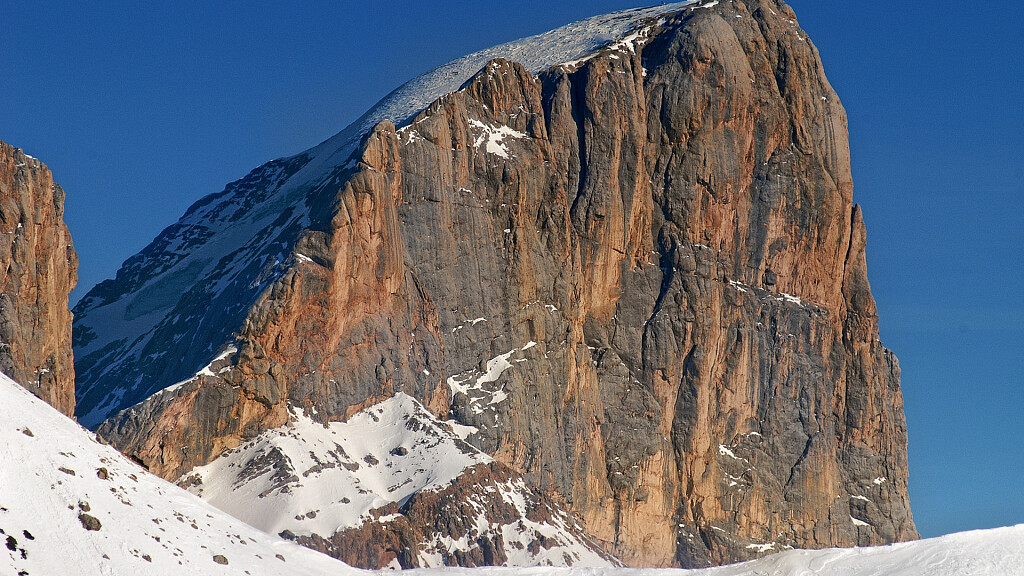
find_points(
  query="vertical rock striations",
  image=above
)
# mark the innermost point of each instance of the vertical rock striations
(639, 276)
(38, 268)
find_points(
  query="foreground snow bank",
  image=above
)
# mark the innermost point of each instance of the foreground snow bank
(997, 552)
(69, 505)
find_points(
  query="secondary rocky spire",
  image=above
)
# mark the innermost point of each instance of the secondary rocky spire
(38, 269)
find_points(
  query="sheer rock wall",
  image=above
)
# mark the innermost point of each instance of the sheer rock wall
(38, 268)
(641, 277)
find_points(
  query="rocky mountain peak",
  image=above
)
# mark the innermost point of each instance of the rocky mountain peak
(623, 256)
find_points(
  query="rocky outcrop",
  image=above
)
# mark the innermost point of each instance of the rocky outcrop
(488, 516)
(392, 487)
(639, 275)
(38, 268)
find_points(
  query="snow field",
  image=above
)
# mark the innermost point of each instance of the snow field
(69, 505)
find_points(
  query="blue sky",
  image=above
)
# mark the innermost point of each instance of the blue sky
(142, 108)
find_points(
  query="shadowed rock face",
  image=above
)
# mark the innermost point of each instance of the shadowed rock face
(38, 268)
(640, 276)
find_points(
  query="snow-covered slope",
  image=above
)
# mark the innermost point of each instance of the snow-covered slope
(69, 505)
(392, 466)
(176, 303)
(309, 478)
(998, 552)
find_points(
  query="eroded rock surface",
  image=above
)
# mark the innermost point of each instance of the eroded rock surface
(392, 487)
(38, 268)
(640, 276)
(489, 516)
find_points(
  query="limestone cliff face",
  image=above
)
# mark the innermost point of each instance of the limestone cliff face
(640, 276)
(38, 268)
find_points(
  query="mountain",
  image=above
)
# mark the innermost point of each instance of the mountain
(622, 258)
(39, 269)
(173, 306)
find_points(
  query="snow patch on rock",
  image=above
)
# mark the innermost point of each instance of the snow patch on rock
(492, 138)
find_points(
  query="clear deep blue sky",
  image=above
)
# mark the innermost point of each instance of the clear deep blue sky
(142, 108)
